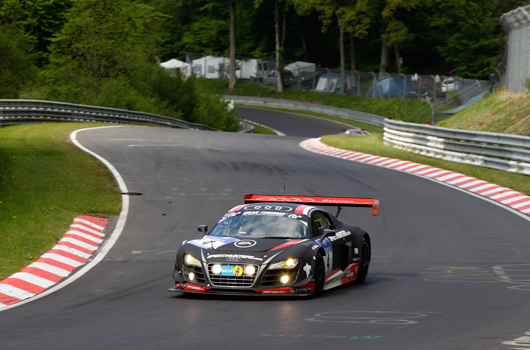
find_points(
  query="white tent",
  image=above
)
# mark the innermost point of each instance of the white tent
(177, 66)
(211, 67)
(299, 67)
(254, 69)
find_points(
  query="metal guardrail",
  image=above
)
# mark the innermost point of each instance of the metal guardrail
(14, 112)
(498, 151)
(367, 118)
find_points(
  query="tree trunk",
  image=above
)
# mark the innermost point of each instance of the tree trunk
(398, 59)
(232, 82)
(279, 44)
(384, 57)
(353, 64)
(342, 61)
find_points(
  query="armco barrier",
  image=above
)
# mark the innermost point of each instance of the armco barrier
(367, 118)
(498, 151)
(13, 112)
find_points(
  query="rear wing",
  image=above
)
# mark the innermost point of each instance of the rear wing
(317, 201)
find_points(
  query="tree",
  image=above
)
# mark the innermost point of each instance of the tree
(232, 5)
(103, 39)
(16, 64)
(347, 13)
(473, 48)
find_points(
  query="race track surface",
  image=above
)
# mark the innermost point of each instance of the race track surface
(449, 270)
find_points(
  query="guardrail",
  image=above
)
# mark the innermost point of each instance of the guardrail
(13, 112)
(498, 151)
(367, 118)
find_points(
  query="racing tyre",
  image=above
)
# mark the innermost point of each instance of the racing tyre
(320, 276)
(365, 261)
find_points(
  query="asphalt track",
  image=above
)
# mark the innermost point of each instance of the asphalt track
(449, 270)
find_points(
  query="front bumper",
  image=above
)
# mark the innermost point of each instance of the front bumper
(265, 282)
(303, 290)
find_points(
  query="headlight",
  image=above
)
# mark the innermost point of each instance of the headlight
(217, 269)
(285, 264)
(191, 261)
(250, 270)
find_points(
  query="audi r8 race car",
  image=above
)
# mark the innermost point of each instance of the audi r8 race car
(276, 245)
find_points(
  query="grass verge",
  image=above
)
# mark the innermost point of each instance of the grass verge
(373, 144)
(46, 181)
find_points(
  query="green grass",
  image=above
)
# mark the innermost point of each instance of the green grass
(46, 181)
(373, 144)
(500, 112)
(409, 111)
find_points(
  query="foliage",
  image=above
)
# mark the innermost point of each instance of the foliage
(79, 51)
(16, 65)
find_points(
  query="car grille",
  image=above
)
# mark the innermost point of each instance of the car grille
(232, 281)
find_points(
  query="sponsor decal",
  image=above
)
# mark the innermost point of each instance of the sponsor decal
(245, 243)
(276, 291)
(302, 290)
(233, 257)
(326, 244)
(339, 235)
(196, 288)
(307, 269)
(268, 207)
(350, 274)
(210, 242)
(237, 271)
(263, 213)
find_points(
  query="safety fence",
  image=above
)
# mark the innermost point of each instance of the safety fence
(445, 92)
(492, 150)
(13, 112)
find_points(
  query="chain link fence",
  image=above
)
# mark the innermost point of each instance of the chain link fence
(444, 92)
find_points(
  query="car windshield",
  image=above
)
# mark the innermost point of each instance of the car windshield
(261, 226)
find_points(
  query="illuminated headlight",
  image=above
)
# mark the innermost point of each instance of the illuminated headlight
(217, 269)
(250, 270)
(284, 279)
(191, 276)
(191, 261)
(285, 264)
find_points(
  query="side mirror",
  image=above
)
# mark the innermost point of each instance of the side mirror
(327, 233)
(203, 229)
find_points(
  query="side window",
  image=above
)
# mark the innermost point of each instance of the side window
(319, 222)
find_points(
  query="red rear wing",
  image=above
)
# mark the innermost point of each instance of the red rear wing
(317, 201)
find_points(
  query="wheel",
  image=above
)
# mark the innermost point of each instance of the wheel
(365, 261)
(320, 275)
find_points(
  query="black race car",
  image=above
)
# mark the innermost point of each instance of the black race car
(276, 245)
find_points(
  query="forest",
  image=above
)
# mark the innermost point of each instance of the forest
(107, 52)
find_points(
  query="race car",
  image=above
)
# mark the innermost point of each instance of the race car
(276, 245)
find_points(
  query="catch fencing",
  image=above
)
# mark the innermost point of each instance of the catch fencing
(516, 63)
(445, 92)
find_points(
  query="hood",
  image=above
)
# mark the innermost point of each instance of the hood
(242, 246)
